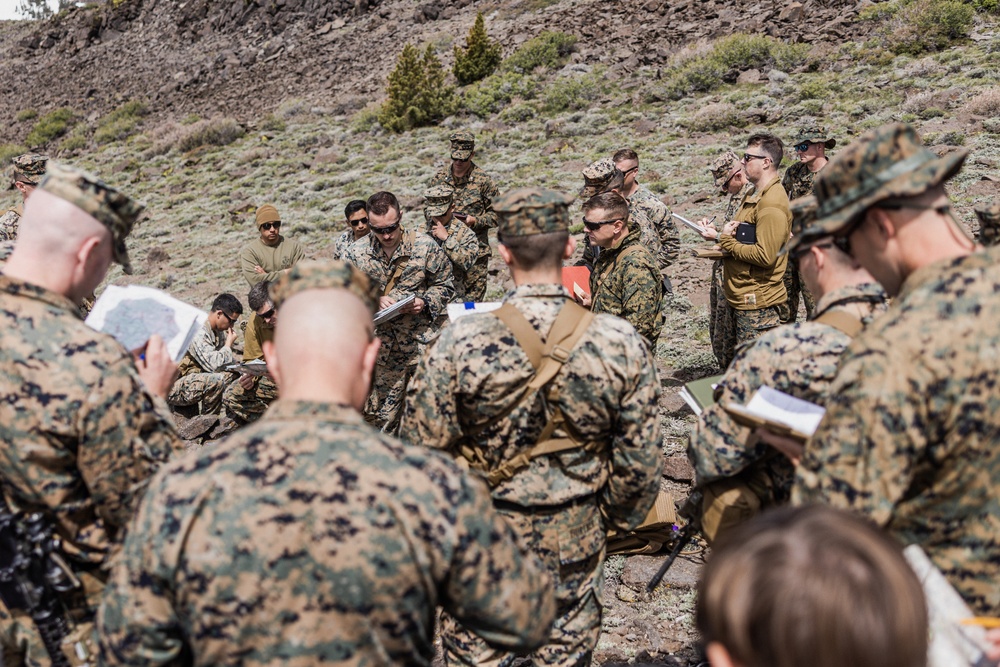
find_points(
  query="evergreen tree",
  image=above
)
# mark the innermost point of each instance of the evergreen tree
(479, 58)
(417, 94)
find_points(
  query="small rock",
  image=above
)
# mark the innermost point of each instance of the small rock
(638, 570)
(197, 426)
(678, 468)
(749, 76)
(626, 594)
(793, 12)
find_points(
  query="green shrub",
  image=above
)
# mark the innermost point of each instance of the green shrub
(728, 57)
(549, 49)
(121, 123)
(76, 139)
(272, 123)
(713, 117)
(51, 126)
(518, 113)
(365, 119)
(918, 26)
(480, 56)
(417, 94)
(575, 92)
(26, 114)
(8, 152)
(487, 97)
(986, 103)
(211, 132)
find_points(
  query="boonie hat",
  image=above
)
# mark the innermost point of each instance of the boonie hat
(815, 135)
(30, 167)
(723, 166)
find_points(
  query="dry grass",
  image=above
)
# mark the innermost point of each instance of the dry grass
(986, 103)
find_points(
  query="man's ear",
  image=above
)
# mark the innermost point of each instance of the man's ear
(570, 248)
(273, 363)
(883, 223)
(505, 254)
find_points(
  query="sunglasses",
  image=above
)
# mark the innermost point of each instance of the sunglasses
(803, 147)
(747, 157)
(232, 320)
(801, 252)
(384, 231)
(594, 226)
(269, 314)
(626, 172)
(729, 180)
(268, 226)
(359, 221)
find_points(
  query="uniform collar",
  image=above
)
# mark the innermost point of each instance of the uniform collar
(931, 272)
(538, 290)
(866, 292)
(20, 288)
(282, 410)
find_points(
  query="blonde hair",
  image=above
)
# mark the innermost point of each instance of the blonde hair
(812, 586)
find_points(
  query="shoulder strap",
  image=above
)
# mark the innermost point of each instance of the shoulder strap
(410, 238)
(843, 321)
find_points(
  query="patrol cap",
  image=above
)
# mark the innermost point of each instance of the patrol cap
(528, 211)
(267, 213)
(887, 162)
(30, 167)
(462, 145)
(815, 135)
(597, 175)
(723, 167)
(331, 274)
(989, 224)
(804, 230)
(107, 205)
(438, 199)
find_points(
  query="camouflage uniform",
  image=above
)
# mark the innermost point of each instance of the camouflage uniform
(467, 393)
(246, 405)
(27, 168)
(625, 282)
(427, 274)
(472, 195)
(79, 433)
(799, 359)
(8, 224)
(200, 379)
(343, 242)
(603, 176)
(461, 246)
(913, 419)
(649, 213)
(309, 538)
(989, 224)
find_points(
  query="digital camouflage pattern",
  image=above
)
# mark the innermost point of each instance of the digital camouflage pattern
(79, 437)
(815, 135)
(626, 283)
(247, 405)
(749, 324)
(338, 274)
(722, 316)
(200, 389)
(989, 224)
(344, 241)
(909, 437)
(474, 195)
(199, 378)
(723, 168)
(529, 211)
(462, 145)
(462, 249)
(659, 233)
(562, 503)
(889, 161)
(9, 221)
(308, 537)
(29, 168)
(798, 182)
(115, 210)
(597, 176)
(798, 359)
(427, 274)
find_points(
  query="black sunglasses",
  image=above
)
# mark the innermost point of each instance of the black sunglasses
(594, 226)
(267, 226)
(266, 315)
(232, 320)
(804, 146)
(359, 221)
(747, 157)
(384, 231)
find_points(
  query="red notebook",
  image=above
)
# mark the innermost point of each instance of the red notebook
(576, 279)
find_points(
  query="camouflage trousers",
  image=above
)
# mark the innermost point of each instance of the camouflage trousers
(789, 311)
(743, 327)
(721, 319)
(247, 405)
(393, 370)
(579, 580)
(475, 279)
(206, 388)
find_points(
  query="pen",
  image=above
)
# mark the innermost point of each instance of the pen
(982, 621)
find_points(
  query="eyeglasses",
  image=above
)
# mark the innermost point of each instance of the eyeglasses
(268, 315)
(803, 251)
(747, 157)
(594, 226)
(803, 147)
(267, 226)
(359, 221)
(232, 320)
(725, 185)
(626, 172)
(384, 231)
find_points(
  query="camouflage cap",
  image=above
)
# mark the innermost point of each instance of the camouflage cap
(597, 176)
(887, 162)
(30, 167)
(989, 224)
(332, 274)
(815, 135)
(528, 211)
(722, 168)
(107, 205)
(438, 199)
(804, 229)
(267, 213)
(462, 145)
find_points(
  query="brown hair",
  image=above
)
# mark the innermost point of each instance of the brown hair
(812, 586)
(625, 154)
(380, 203)
(610, 202)
(770, 144)
(537, 250)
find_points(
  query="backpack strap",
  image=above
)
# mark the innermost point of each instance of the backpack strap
(400, 265)
(846, 323)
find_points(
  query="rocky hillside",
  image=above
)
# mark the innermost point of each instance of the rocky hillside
(242, 59)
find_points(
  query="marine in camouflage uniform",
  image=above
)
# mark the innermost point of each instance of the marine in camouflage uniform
(245, 404)
(989, 224)
(416, 266)
(912, 424)
(459, 242)
(625, 281)
(80, 433)
(799, 359)
(473, 195)
(599, 177)
(467, 399)
(810, 145)
(201, 378)
(308, 537)
(28, 170)
(356, 217)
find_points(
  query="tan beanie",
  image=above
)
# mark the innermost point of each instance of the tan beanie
(267, 213)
